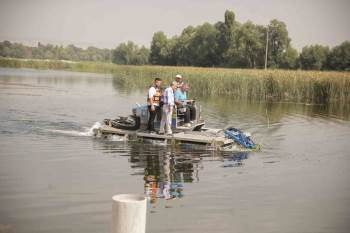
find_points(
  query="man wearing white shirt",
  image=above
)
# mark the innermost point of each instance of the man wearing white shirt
(167, 109)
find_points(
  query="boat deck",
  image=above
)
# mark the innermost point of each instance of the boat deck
(193, 137)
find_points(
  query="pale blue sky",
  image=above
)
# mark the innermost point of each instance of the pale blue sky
(106, 23)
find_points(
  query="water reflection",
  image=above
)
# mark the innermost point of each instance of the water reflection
(163, 179)
(166, 169)
(53, 181)
(235, 159)
(275, 111)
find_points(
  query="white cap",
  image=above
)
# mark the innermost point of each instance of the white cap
(178, 76)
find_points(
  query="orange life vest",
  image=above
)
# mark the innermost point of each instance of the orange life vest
(156, 97)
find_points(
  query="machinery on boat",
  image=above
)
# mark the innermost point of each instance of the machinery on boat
(134, 127)
(139, 119)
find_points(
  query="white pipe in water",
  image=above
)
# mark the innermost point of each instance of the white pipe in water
(129, 213)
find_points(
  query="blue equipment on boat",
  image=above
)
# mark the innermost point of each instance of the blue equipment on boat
(240, 137)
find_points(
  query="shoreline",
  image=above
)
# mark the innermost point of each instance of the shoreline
(316, 87)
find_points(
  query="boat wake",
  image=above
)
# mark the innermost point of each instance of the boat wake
(88, 132)
(115, 138)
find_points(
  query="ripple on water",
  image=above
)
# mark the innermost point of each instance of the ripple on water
(56, 177)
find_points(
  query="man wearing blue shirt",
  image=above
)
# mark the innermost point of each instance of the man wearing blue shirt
(182, 102)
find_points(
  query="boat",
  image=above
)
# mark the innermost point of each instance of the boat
(133, 127)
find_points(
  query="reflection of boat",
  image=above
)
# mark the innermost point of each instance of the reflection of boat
(167, 171)
(133, 127)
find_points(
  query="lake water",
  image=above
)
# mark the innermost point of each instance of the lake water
(56, 177)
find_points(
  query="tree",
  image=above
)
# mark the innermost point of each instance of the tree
(130, 54)
(339, 57)
(313, 57)
(202, 46)
(8, 49)
(226, 43)
(52, 52)
(141, 56)
(278, 42)
(250, 46)
(182, 53)
(123, 53)
(289, 59)
(226, 39)
(229, 28)
(160, 51)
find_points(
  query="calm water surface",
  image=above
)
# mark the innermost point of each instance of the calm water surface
(55, 177)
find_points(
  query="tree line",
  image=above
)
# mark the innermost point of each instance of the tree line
(54, 52)
(227, 43)
(243, 45)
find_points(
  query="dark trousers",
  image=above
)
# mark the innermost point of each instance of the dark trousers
(190, 114)
(152, 116)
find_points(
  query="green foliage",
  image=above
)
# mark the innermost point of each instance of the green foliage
(313, 57)
(182, 53)
(160, 49)
(339, 57)
(70, 52)
(202, 46)
(130, 54)
(7, 49)
(250, 46)
(229, 19)
(228, 29)
(278, 42)
(227, 44)
(289, 59)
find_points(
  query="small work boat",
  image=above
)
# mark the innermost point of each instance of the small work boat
(133, 127)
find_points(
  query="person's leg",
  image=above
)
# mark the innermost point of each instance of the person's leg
(187, 114)
(152, 115)
(193, 112)
(168, 123)
(163, 120)
(159, 113)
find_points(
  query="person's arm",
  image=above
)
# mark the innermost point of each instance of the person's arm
(170, 97)
(165, 96)
(190, 101)
(150, 98)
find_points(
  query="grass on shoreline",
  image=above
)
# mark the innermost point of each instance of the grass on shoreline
(319, 87)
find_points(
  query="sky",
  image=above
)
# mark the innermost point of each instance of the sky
(106, 23)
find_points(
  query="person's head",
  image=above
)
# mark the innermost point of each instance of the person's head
(178, 78)
(157, 82)
(173, 85)
(184, 87)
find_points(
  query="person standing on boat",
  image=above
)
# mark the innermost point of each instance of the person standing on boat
(153, 101)
(168, 100)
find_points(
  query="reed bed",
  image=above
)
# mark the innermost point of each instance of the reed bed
(316, 87)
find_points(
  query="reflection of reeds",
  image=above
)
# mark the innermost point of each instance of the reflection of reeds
(296, 86)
